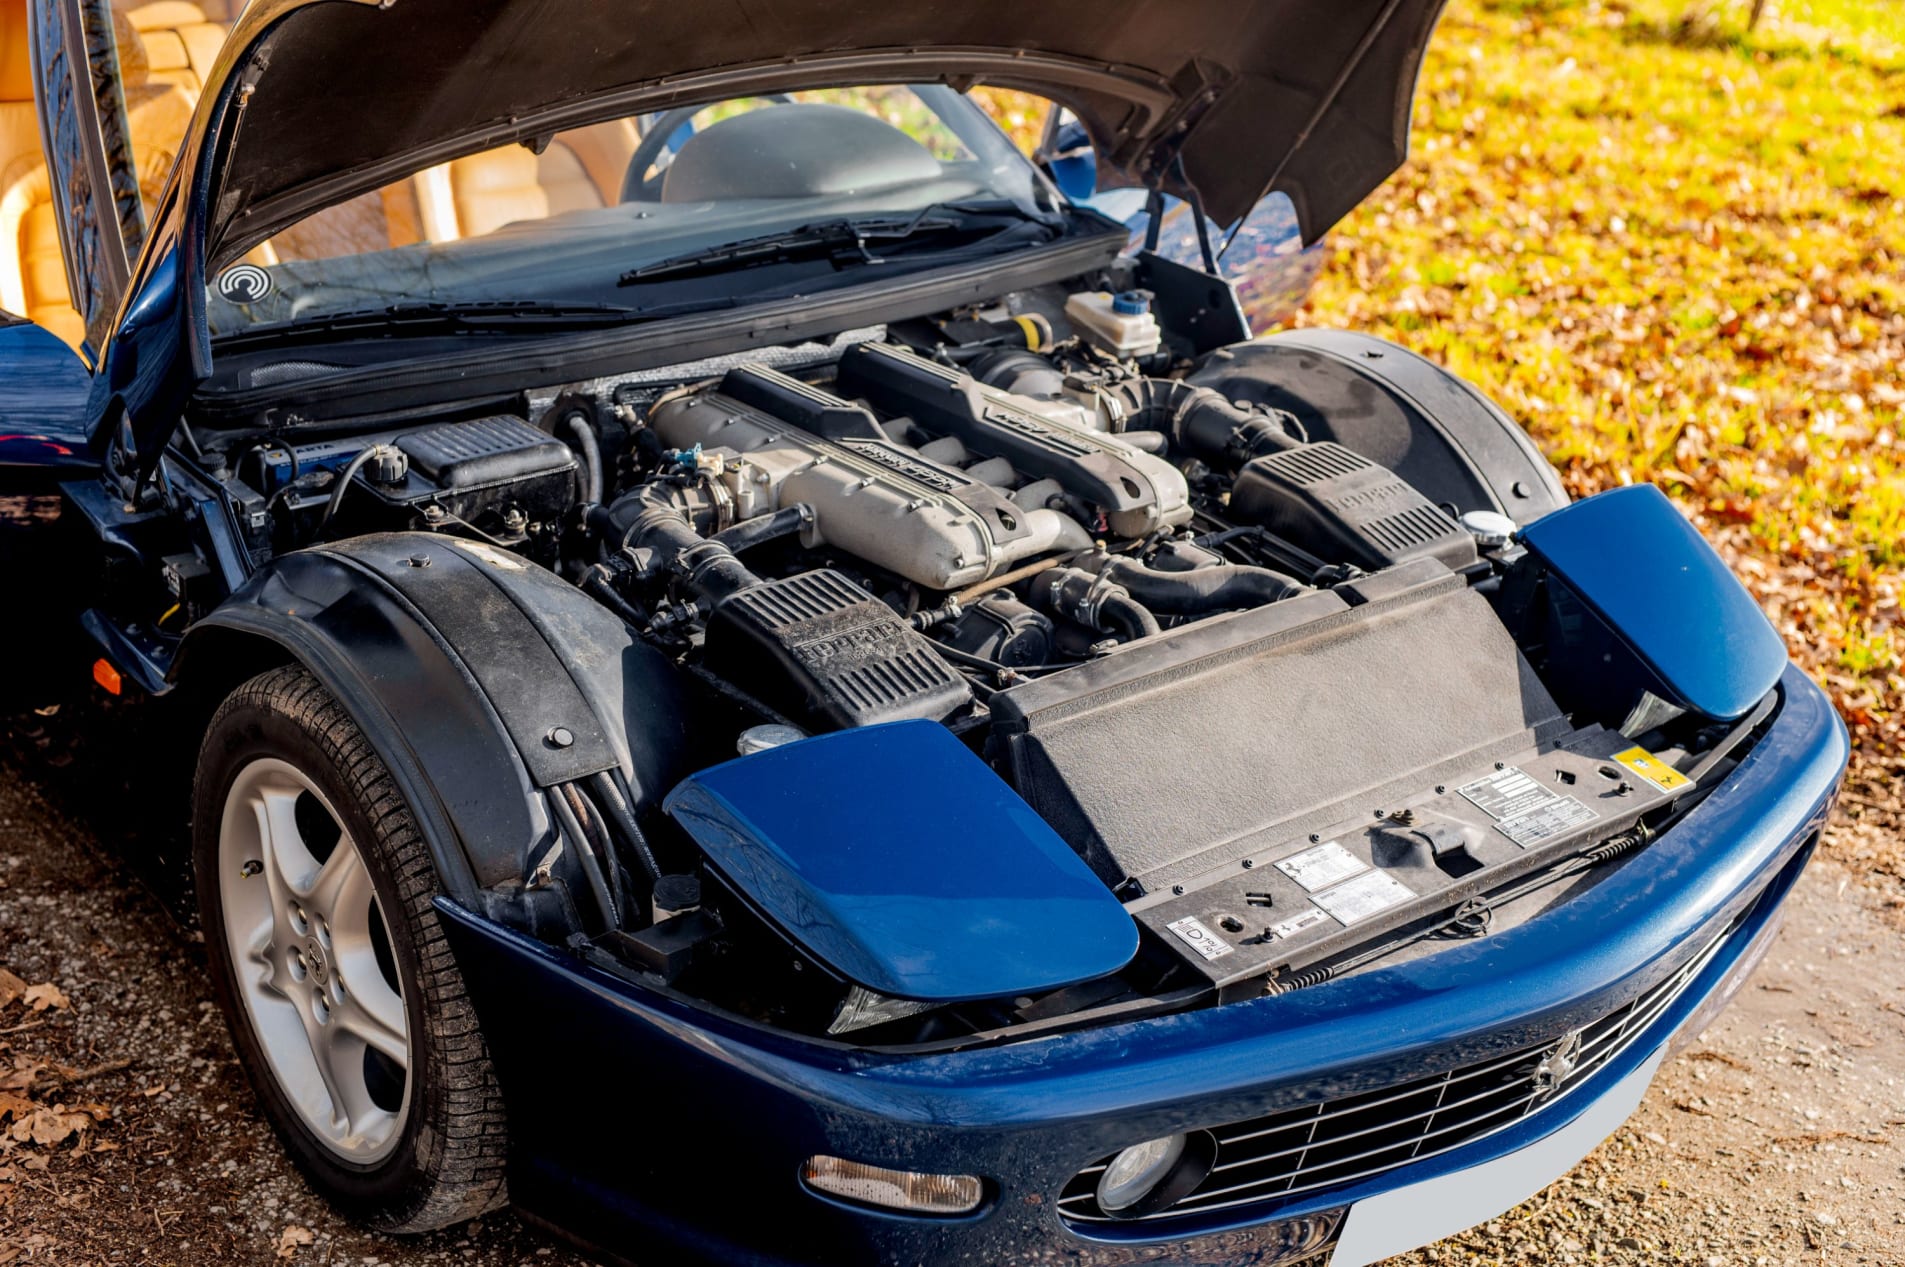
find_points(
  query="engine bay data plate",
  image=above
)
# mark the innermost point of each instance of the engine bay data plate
(1524, 810)
(1370, 893)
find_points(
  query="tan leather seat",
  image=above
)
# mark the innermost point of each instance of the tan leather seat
(32, 269)
(580, 170)
(165, 50)
(181, 40)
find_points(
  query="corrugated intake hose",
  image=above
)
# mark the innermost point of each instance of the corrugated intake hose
(1201, 421)
(1226, 587)
(651, 519)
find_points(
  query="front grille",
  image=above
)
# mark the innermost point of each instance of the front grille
(1334, 1143)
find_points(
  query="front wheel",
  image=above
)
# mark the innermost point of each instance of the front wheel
(345, 1005)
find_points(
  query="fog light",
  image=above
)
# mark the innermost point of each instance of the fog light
(906, 1190)
(1147, 1177)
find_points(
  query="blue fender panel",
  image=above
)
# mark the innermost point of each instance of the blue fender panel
(905, 864)
(1641, 573)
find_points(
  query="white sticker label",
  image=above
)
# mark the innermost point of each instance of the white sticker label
(1322, 866)
(1508, 793)
(1524, 810)
(1368, 894)
(1199, 938)
(1294, 925)
(1551, 819)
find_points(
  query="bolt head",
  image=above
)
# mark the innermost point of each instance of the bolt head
(560, 737)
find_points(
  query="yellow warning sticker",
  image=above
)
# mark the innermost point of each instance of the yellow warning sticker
(1653, 769)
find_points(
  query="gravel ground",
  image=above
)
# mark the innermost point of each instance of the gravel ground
(134, 1139)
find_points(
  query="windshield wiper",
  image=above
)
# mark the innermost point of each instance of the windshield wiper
(847, 243)
(440, 316)
(844, 242)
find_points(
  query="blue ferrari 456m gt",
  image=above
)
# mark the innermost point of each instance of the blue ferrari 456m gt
(753, 679)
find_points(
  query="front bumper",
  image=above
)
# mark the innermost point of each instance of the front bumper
(657, 1132)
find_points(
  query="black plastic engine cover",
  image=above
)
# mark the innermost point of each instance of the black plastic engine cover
(1215, 741)
(827, 653)
(1336, 503)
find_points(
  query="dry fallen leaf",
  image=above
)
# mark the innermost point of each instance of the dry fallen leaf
(21, 1076)
(11, 987)
(45, 995)
(15, 1105)
(51, 1126)
(291, 1238)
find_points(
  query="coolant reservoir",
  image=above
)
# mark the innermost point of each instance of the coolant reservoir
(1120, 323)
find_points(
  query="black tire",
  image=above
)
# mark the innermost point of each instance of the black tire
(447, 1163)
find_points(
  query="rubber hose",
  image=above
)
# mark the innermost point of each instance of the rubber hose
(343, 486)
(1093, 601)
(591, 456)
(1127, 617)
(764, 528)
(1225, 587)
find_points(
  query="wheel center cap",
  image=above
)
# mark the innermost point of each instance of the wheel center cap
(314, 957)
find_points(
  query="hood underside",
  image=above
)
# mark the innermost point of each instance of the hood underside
(1230, 99)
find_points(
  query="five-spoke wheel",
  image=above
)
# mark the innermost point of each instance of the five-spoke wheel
(315, 967)
(316, 891)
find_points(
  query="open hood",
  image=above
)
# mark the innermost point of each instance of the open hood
(1231, 98)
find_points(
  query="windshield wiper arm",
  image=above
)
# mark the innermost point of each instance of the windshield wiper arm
(845, 242)
(424, 316)
(478, 312)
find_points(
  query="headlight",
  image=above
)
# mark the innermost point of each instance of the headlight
(1150, 1176)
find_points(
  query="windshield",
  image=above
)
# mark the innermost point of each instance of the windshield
(656, 214)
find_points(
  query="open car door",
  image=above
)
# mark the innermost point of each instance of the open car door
(91, 184)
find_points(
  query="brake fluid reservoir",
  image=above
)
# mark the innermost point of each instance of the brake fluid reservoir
(1120, 323)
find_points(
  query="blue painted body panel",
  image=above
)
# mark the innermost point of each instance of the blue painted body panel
(1654, 582)
(718, 1110)
(905, 864)
(43, 392)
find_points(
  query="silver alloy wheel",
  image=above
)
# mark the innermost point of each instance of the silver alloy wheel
(303, 928)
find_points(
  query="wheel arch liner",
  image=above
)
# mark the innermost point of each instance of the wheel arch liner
(463, 663)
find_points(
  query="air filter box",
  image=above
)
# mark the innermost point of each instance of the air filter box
(1337, 504)
(476, 468)
(827, 653)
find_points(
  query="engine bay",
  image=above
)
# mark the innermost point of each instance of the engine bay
(1287, 685)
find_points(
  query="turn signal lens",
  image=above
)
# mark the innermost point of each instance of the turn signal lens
(108, 677)
(906, 1190)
